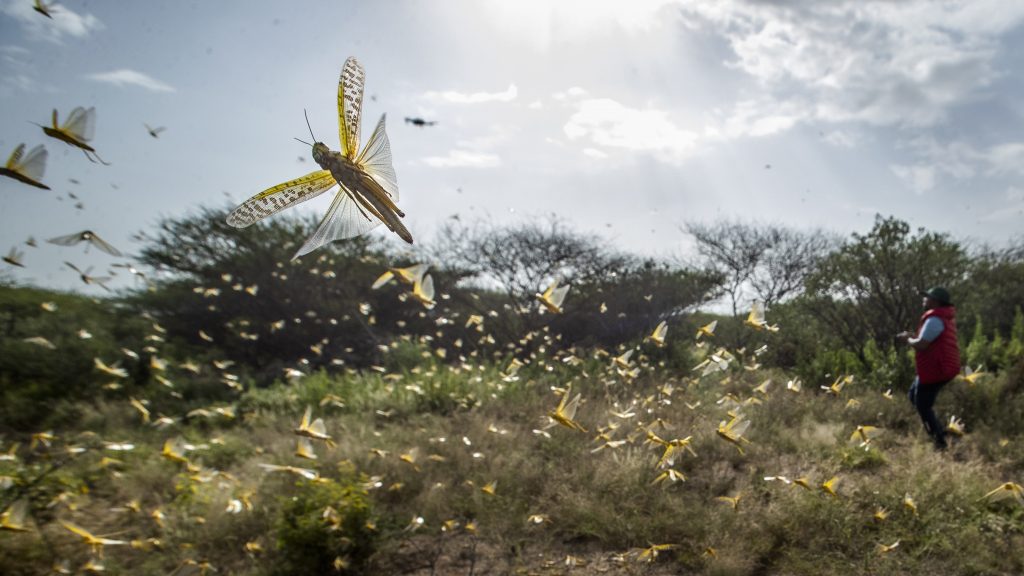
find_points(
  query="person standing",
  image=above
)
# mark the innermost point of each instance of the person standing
(936, 358)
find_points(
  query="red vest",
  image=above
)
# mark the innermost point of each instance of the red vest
(941, 360)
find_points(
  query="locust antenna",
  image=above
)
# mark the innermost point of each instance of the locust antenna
(304, 142)
(308, 126)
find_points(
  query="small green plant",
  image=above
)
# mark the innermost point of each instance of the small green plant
(325, 525)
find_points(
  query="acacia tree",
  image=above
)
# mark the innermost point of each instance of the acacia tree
(869, 287)
(770, 261)
(519, 258)
(516, 260)
(257, 305)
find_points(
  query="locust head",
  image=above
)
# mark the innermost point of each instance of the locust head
(320, 153)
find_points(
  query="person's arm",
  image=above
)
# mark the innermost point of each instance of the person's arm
(930, 330)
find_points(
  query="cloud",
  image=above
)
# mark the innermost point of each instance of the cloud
(453, 97)
(840, 138)
(607, 123)
(756, 118)
(884, 63)
(572, 93)
(541, 24)
(1013, 210)
(65, 21)
(1006, 158)
(920, 178)
(937, 162)
(126, 77)
(463, 159)
(957, 161)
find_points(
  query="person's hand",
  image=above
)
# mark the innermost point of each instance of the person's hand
(904, 335)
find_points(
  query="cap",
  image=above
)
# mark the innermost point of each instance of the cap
(939, 294)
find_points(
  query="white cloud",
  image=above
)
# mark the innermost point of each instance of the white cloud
(64, 22)
(473, 98)
(1007, 158)
(902, 63)
(938, 162)
(957, 161)
(607, 123)
(840, 138)
(756, 118)
(572, 93)
(542, 23)
(595, 153)
(920, 178)
(1013, 210)
(463, 159)
(126, 77)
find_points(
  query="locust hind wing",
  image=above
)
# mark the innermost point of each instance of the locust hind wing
(756, 315)
(350, 106)
(415, 273)
(344, 219)
(104, 245)
(558, 296)
(69, 240)
(318, 427)
(81, 123)
(34, 164)
(376, 160)
(273, 200)
(738, 429)
(427, 287)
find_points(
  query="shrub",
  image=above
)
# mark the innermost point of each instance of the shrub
(309, 543)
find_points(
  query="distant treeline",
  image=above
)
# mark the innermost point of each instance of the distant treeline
(228, 294)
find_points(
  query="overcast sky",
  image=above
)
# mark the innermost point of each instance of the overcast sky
(626, 119)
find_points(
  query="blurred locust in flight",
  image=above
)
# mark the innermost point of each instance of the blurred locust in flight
(77, 131)
(369, 187)
(27, 168)
(43, 9)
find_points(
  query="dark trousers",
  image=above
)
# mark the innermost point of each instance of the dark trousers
(922, 396)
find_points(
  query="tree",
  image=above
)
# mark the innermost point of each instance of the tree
(518, 259)
(869, 287)
(259, 307)
(992, 287)
(770, 261)
(1015, 347)
(977, 352)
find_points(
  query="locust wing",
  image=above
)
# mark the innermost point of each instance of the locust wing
(375, 159)
(27, 168)
(103, 245)
(69, 240)
(81, 124)
(344, 219)
(350, 106)
(273, 200)
(33, 165)
(12, 162)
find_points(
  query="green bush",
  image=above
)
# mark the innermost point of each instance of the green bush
(310, 542)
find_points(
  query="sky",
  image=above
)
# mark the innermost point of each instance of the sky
(624, 119)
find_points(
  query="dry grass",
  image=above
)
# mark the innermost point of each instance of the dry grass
(478, 471)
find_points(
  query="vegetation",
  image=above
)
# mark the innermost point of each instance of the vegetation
(178, 451)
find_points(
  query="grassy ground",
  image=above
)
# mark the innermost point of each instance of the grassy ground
(456, 470)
